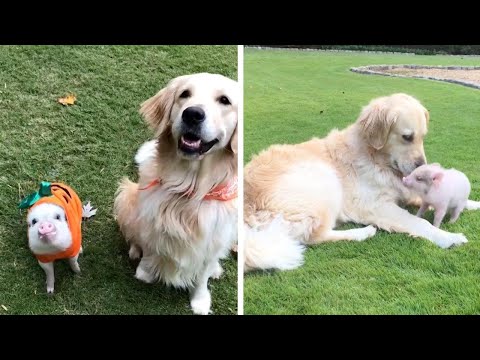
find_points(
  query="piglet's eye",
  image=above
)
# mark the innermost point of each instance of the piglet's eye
(419, 178)
(34, 221)
(58, 217)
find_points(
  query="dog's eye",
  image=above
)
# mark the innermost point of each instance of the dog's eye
(58, 217)
(408, 138)
(224, 100)
(419, 178)
(34, 221)
(185, 94)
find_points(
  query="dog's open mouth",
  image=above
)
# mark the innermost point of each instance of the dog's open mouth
(192, 144)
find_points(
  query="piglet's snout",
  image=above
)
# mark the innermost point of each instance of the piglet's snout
(46, 228)
(406, 181)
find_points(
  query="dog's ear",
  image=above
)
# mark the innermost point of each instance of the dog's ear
(427, 115)
(234, 140)
(156, 110)
(375, 121)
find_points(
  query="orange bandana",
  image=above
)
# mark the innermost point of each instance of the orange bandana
(222, 192)
(68, 200)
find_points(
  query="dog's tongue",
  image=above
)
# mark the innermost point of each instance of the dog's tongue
(193, 144)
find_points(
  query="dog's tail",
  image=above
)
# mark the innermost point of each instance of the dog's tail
(272, 247)
(472, 205)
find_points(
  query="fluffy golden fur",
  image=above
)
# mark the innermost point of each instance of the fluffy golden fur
(297, 194)
(179, 236)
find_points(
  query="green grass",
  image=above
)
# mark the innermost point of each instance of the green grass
(89, 146)
(291, 96)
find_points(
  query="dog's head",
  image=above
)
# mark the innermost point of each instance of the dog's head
(198, 113)
(395, 126)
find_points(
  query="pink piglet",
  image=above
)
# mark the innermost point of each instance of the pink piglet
(446, 190)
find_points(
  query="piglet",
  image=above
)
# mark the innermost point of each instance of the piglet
(49, 236)
(446, 190)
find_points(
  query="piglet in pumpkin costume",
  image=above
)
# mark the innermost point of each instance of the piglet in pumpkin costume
(54, 226)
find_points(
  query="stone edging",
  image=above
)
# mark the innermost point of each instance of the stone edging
(374, 70)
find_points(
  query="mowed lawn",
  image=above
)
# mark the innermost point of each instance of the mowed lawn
(291, 96)
(90, 146)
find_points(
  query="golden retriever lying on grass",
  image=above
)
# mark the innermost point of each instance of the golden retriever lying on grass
(297, 194)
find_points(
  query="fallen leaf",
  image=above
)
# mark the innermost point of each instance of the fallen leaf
(67, 100)
(88, 210)
(4, 307)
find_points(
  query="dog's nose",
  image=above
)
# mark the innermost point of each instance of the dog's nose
(419, 162)
(193, 115)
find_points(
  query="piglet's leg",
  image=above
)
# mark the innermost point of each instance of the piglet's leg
(455, 214)
(440, 212)
(48, 268)
(73, 261)
(422, 210)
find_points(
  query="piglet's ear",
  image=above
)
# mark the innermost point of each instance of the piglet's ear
(437, 178)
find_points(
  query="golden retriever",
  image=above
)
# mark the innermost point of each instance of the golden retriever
(181, 217)
(297, 194)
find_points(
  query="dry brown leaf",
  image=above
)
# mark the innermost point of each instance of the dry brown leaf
(4, 307)
(68, 100)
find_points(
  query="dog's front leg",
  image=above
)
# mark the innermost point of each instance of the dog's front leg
(200, 298)
(144, 272)
(391, 217)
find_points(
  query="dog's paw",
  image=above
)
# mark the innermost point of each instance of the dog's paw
(144, 276)
(201, 304)
(217, 271)
(49, 290)
(451, 239)
(366, 232)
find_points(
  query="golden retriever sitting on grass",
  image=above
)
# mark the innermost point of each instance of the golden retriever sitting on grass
(181, 217)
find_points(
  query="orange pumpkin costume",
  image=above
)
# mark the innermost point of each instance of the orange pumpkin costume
(68, 200)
